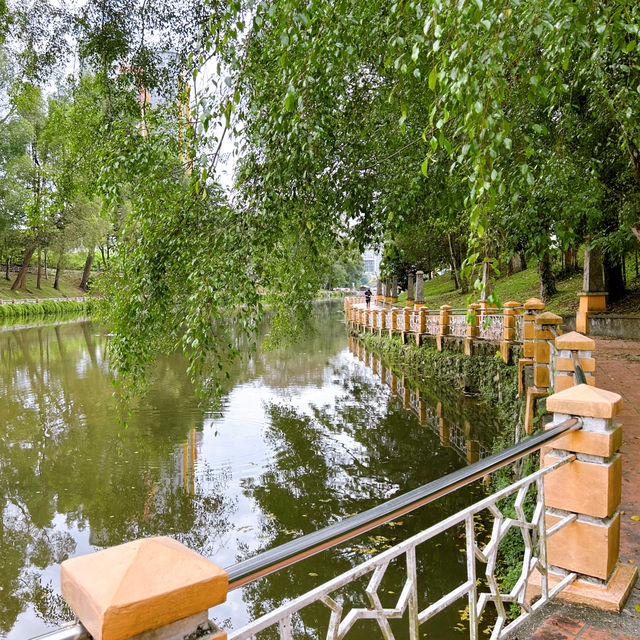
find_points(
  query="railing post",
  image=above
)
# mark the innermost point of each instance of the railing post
(530, 307)
(569, 347)
(445, 317)
(406, 323)
(394, 322)
(544, 350)
(584, 495)
(149, 584)
(422, 323)
(510, 311)
(472, 327)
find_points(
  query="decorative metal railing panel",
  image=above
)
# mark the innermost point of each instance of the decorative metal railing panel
(491, 327)
(458, 325)
(433, 324)
(534, 535)
(519, 328)
(389, 319)
(414, 322)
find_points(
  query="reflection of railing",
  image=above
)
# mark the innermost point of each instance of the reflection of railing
(533, 531)
(491, 327)
(458, 325)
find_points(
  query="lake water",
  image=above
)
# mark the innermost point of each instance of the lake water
(305, 436)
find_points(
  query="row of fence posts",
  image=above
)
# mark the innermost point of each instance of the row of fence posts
(157, 588)
(585, 492)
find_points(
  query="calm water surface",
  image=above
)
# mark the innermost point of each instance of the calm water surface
(305, 436)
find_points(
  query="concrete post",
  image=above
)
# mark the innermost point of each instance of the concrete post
(150, 588)
(394, 289)
(472, 322)
(419, 300)
(410, 290)
(589, 491)
(568, 346)
(510, 312)
(445, 317)
(593, 298)
(422, 323)
(394, 328)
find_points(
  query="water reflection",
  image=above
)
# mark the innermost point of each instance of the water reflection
(305, 435)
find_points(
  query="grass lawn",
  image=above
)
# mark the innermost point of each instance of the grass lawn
(68, 288)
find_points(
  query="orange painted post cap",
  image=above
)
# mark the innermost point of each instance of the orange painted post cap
(120, 592)
(587, 401)
(574, 341)
(534, 303)
(548, 318)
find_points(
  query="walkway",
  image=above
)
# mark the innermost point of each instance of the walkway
(617, 369)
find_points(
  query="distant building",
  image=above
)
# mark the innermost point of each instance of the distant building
(372, 261)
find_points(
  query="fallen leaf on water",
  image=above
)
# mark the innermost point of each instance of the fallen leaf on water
(636, 518)
(638, 608)
(270, 516)
(312, 574)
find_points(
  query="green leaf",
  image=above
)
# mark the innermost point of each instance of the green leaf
(433, 77)
(424, 166)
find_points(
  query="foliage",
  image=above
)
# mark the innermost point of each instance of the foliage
(44, 308)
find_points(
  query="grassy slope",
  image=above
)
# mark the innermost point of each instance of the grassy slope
(67, 289)
(519, 287)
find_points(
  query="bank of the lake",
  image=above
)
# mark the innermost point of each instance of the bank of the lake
(19, 312)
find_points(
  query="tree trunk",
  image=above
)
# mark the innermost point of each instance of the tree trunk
(39, 276)
(7, 269)
(22, 274)
(104, 258)
(547, 279)
(56, 282)
(454, 267)
(87, 270)
(46, 272)
(613, 278)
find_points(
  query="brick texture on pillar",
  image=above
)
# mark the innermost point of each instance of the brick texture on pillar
(147, 584)
(544, 349)
(569, 347)
(587, 490)
(510, 312)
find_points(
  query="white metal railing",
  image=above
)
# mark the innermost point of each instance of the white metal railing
(39, 300)
(458, 325)
(433, 324)
(414, 322)
(534, 534)
(491, 327)
(389, 318)
(519, 328)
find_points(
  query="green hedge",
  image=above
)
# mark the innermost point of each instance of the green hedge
(20, 310)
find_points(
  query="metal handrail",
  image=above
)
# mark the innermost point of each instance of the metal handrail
(291, 552)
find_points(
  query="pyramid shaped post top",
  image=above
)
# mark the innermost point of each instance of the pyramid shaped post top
(548, 318)
(122, 591)
(534, 303)
(511, 304)
(585, 401)
(576, 341)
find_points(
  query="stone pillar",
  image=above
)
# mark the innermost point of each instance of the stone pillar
(445, 317)
(410, 290)
(530, 307)
(568, 346)
(510, 312)
(586, 494)
(154, 587)
(379, 290)
(593, 298)
(394, 289)
(419, 299)
(544, 350)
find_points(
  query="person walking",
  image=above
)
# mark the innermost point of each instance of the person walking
(367, 297)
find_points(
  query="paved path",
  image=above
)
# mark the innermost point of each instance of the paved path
(617, 369)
